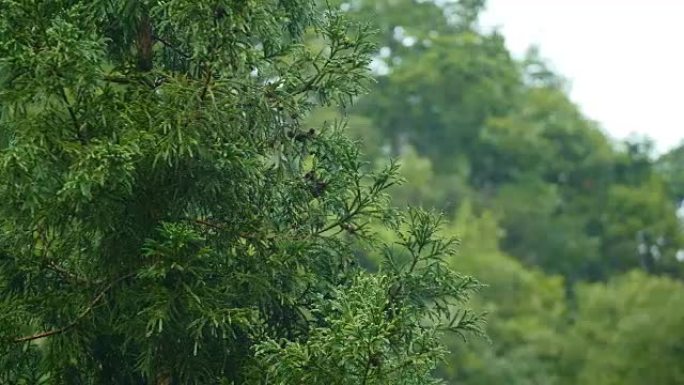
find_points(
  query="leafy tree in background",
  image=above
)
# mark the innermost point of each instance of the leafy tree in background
(165, 218)
(551, 212)
(627, 331)
(526, 311)
(439, 99)
(671, 165)
(504, 134)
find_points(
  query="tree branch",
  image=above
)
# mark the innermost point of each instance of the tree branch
(66, 273)
(72, 114)
(170, 46)
(82, 315)
(118, 79)
(222, 227)
(205, 88)
(367, 367)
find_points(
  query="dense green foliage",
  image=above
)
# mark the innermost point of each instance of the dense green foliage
(165, 218)
(181, 203)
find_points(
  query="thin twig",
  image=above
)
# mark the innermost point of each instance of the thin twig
(82, 315)
(118, 79)
(171, 46)
(352, 213)
(209, 224)
(205, 88)
(66, 273)
(220, 226)
(367, 367)
(52, 265)
(72, 114)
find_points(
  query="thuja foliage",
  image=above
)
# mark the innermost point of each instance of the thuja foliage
(166, 219)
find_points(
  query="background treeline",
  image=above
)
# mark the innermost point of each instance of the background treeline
(576, 234)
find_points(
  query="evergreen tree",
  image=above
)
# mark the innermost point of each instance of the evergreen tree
(166, 219)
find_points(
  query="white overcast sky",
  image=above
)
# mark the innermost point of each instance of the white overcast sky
(624, 58)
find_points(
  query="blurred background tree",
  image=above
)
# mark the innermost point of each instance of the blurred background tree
(572, 231)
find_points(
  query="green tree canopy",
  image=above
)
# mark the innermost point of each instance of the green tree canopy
(627, 331)
(165, 217)
(672, 166)
(504, 134)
